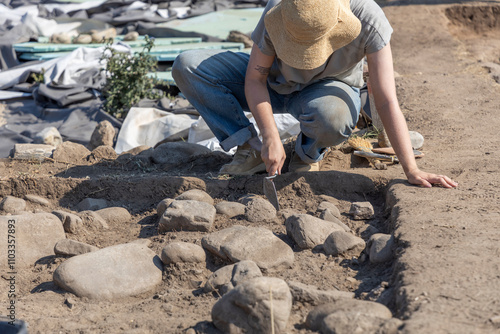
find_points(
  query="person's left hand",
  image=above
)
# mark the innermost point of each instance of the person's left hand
(423, 179)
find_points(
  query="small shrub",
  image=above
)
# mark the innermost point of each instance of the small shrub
(127, 81)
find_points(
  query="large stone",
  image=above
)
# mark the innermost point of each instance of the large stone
(417, 140)
(177, 152)
(32, 152)
(196, 195)
(220, 280)
(70, 152)
(362, 210)
(114, 215)
(68, 247)
(93, 220)
(182, 252)
(227, 277)
(48, 136)
(328, 216)
(163, 205)
(248, 307)
(343, 243)
(14, 205)
(112, 272)
(101, 153)
(332, 208)
(308, 231)
(257, 244)
(187, 215)
(310, 294)
(342, 322)
(35, 235)
(230, 209)
(258, 210)
(71, 222)
(380, 246)
(315, 317)
(104, 134)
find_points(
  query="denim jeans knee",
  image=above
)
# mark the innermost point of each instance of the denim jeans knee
(328, 112)
(213, 82)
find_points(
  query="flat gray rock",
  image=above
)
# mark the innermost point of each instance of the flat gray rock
(238, 243)
(343, 243)
(177, 152)
(182, 252)
(247, 308)
(110, 273)
(196, 195)
(328, 216)
(230, 209)
(380, 246)
(367, 308)
(71, 222)
(68, 247)
(13, 205)
(308, 231)
(115, 215)
(332, 208)
(35, 236)
(258, 210)
(37, 200)
(187, 215)
(92, 204)
(310, 294)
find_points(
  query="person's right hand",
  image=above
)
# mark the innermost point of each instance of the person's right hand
(273, 154)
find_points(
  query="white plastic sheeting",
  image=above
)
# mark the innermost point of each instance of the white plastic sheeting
(148, 126)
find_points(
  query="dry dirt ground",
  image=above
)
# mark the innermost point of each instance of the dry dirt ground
(446, 274)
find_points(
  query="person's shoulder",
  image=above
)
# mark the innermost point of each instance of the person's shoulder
(366, 9)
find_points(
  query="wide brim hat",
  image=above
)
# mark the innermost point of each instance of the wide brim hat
(305, 33)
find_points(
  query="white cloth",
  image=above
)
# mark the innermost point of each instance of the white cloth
(148, 126)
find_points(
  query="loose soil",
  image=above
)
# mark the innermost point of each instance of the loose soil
(446, 265)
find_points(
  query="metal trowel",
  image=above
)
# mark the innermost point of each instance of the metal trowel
(270, 191)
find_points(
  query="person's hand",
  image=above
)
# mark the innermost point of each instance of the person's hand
(426, 180)
(273, 154)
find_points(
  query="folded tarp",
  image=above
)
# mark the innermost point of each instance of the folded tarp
(43, 45)
(160, 52)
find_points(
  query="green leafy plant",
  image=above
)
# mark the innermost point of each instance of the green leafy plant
(38, 77)
(127, 80)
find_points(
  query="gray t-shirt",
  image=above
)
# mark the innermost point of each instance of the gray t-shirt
(345, 64)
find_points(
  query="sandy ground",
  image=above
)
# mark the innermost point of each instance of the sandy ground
(445, 277)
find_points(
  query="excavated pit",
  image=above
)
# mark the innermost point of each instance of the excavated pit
(478, 27)
(139, 187)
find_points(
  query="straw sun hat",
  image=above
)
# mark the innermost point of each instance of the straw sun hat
(306, 32)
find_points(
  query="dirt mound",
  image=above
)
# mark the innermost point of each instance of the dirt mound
(479, 19)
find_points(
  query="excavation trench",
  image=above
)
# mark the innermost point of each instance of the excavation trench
(140, 191)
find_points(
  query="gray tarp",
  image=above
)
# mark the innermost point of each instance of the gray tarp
(70, 100)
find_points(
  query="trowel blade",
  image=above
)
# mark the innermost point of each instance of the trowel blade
(270, 192)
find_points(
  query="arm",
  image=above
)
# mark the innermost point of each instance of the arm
(381, 75)
(272, 153)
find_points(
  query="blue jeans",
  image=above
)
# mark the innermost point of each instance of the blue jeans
(213, 82)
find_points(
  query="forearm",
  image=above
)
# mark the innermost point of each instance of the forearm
(260, 106)
(397, 131)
